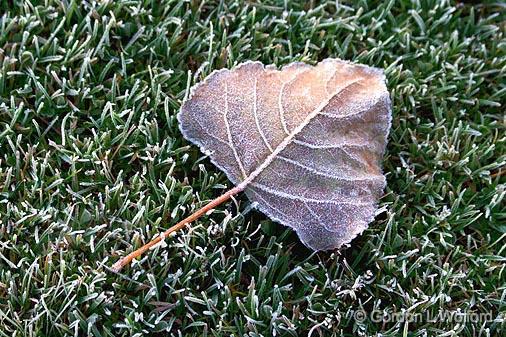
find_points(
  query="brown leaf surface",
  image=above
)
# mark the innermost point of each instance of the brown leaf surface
(305, 143)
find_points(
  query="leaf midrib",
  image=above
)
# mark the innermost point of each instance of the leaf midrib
(288, 139)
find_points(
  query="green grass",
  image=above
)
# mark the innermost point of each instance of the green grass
(92, 165)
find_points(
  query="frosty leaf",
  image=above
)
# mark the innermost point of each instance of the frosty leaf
(305, 143)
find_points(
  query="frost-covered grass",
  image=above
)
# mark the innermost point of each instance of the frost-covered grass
(92, 165)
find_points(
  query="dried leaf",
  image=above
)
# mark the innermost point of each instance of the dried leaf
(304, 143)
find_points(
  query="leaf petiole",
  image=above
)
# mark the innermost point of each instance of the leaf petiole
(194, 216)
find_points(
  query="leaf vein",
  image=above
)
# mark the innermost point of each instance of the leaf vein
(281, 109)
(281, 194)
(329, 146)
(255, 114)
(325, 174)
(229, 134)
(288, 139)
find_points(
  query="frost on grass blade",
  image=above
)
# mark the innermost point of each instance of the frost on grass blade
(305, 143)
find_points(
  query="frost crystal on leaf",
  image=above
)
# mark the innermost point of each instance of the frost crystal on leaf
(304, 143)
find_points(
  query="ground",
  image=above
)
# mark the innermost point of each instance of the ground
(92, 166)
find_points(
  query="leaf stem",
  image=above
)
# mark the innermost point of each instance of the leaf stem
(194, 216)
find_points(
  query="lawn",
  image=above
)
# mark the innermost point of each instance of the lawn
(92, 166)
